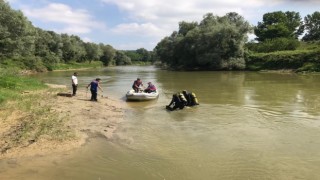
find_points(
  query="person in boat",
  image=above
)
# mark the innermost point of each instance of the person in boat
(94, 85)
(136, 85)
(151, 88)
(178, 101)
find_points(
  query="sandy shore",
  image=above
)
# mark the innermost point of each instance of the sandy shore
(86, 118)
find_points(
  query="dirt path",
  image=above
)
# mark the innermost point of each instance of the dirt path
(86, 118)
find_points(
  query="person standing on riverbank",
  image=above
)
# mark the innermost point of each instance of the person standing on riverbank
(94, 85)
(74, 80)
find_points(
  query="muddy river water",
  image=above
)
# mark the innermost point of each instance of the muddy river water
(249, 125)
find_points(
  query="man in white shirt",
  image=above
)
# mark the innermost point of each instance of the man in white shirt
(74, 83)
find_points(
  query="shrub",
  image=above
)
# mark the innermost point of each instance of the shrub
(272, 45)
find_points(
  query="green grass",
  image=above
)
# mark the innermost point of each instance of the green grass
(305, 58)
(308, 45)
(13, 85)
(74, 65)
(33, 102)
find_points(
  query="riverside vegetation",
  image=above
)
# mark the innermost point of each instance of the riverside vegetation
(221, 43)
(26, 113)
(283, 41)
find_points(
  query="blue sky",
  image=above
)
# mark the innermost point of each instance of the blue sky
(133, 24)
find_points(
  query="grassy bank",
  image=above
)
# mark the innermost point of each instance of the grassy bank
(306, 58)
(26, 113)
(74, 65)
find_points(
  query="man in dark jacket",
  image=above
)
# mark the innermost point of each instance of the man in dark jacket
(94, 85)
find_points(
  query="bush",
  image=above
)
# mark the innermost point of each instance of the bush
(33, 63)
(272, 45)
(284, 60)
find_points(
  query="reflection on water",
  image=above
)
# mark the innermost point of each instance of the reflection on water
(249, 125)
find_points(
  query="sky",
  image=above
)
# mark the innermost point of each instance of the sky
(134, 24)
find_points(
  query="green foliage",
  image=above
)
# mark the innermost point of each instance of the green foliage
(312, 25)
(298, 59)
(17, 35)
(140, 54)
(11, 84)
(108, 54)
(73, 48)
(75, 65)
(215, 43)
(93, 51)
(309, 45)
(271, 45)
(28, 47)
(122, 59)
(34, 63)
(27, 62)
(279, 25)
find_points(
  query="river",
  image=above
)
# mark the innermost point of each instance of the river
(249, 125)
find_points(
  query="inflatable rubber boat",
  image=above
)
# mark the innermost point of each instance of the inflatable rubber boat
(141, 96)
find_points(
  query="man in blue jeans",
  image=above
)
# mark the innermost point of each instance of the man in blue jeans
(94, 85)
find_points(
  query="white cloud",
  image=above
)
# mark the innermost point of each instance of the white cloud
(136, 45)
(154, 10)
(144, 29)
(73, 20)
(161, 18)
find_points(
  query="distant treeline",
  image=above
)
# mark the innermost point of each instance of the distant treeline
(25, 46)
(283, 41)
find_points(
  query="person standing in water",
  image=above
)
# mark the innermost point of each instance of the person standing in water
(74, 80)
(94, 85)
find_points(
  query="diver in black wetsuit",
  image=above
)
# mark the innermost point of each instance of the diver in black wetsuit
(178, 101)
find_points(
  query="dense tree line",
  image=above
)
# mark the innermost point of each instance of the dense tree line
(280, 31)
(26, 46)
(221, 42)
(214, 43)
(140, 55)
(286, 41)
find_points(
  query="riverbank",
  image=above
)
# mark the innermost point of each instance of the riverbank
(59, 123)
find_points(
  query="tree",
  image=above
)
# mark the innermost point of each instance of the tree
(43, 50)
(279, 25)
(122, 59)
(93, 51)
(23, 45)
(215, 43)
(73, 48)
(144, 54)
(312, 25)
(108, 54)
(185, 27)
(17, 34)
(165, 50)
